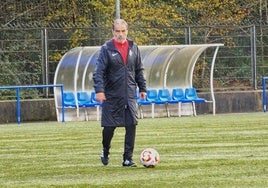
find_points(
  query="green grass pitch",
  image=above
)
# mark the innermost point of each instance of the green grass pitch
(226, 150)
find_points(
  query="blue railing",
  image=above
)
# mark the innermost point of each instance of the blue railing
(17, 88)
(264, 102)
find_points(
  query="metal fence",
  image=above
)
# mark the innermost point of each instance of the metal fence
(29, 55)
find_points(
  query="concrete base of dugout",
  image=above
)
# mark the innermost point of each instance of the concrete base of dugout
(44, 110)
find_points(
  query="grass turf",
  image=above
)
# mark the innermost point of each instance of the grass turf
(205, 151)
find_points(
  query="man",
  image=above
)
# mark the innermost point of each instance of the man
(119, 71)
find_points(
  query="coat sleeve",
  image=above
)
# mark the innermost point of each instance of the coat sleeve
(139, 73)
(98, 76)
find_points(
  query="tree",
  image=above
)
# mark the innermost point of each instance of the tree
(88, 23)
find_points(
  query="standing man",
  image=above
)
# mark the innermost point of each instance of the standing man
(119, 71)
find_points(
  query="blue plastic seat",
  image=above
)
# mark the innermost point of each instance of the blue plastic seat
(69, 99)
(84, 100)
(152, 96)
(191, 94)
(164, 95)
(179, 96)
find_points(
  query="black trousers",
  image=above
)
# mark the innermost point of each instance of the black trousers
(130, 134)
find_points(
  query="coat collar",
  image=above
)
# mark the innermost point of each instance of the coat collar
(110, 44)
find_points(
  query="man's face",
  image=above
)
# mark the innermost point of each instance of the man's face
(120, 33)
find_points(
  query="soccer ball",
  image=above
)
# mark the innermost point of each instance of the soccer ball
(149, 158)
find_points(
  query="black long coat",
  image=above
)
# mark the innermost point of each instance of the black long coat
(119, 82)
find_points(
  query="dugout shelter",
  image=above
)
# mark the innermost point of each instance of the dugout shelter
(167, 66)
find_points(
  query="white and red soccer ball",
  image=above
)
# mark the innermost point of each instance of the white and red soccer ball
(149, 158)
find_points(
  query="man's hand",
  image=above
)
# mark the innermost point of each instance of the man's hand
(100, 97)
(143, 95)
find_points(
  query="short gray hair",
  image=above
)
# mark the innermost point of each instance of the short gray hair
(120, 22)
